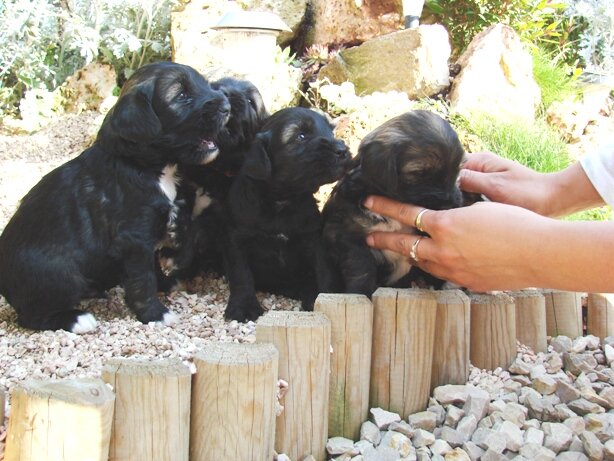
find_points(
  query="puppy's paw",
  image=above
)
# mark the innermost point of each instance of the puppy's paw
(243, 310)
(84, 324)
(157, 313)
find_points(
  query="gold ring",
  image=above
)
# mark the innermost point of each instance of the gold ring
(418, 222)
(414, 248)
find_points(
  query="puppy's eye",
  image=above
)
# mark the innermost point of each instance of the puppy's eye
(183, 97)
(301, 137)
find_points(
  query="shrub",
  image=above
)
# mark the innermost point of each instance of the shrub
(43, 42)
(553, 79)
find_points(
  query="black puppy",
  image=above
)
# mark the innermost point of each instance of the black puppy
(413, 158)
(95, 221)
(204, 188)
(273, 239)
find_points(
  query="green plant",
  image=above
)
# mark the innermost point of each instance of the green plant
(553, 80)
(43, 42)
(534, 145)
(538, 22)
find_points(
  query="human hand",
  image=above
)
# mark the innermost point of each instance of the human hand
(485, 246)
(505, 181)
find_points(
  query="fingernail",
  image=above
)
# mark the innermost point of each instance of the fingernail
(368, 203)
(370, 240)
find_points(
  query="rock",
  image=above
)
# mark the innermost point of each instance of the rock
(453, 416)
(403, 428)
(553, 363)
(398, 441)
(583, 407)
(382, 418)
(370, 432)
(513, 436)
(576, 424)
(566, 392)
(515, 413)
(87, 88)
(339, 445)
(473, 450)
(544, 384)
(454, 437)
(609, 354)
(578, 363)
(571, 456)
(535, 452)
(422, 438)
(413, 61)
(426, 420)
(558, 436)
(520, 367)
(592, 446)
(607, 394)
(292, 13)
(458, 454)
(491, 455)
(602, 425)
(608, 450)
(561, 344)
(341, 22)
(533, 435)
(476, 403)
(441, 447)
(497, 71)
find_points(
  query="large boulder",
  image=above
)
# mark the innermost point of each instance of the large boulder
(292, 13)
(413, 61)
(331, 22)
(496, 77)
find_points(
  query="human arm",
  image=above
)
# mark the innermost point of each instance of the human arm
(494, 246)
(549, 194)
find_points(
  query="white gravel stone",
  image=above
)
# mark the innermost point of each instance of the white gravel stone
(370, 432)
(558, 436)
(426, 420)
(382, 418)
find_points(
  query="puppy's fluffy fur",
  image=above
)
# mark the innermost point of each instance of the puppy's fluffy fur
(95, 221)
(273, 239)
(204, 188)
(413, 158)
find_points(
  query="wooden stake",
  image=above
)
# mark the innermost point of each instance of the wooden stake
(403, 335)
(351, 318)
(493, 330)
(452, 339)
(233, 402)
(303, 342)
(531, 319)
(60, 421)
(600, 314)
(152, 409)
(563, 313)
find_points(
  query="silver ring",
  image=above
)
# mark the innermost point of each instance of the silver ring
(414, 248)
(418, 221)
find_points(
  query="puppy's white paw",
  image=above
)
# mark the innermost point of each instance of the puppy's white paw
(168, 319)
(85, 323)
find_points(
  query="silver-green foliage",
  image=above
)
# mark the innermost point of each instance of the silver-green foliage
(44, 41)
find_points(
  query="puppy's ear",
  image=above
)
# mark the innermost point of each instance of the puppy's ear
(133, 117)
(379, 166)
(257, 163)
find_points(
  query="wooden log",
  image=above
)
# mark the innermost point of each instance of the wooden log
(600, 314)
(351, 318)
(152, 409)
(493, 330)
(452, 339)
(563, 313)
(531, 319)
(234, 394)
(303, 342)
(403, 336)
(2, 405)
(66, 420)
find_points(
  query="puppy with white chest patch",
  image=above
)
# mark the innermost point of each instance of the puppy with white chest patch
(95, 221)
(273, 237)
(413, 158)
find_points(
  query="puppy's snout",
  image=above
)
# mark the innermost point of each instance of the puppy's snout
(341, 150)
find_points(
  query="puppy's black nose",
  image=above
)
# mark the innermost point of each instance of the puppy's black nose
(341, 150)
(224, 107)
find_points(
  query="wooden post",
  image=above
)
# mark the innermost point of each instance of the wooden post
(403, 336)
(600, 314)
(493, 330)
(563, 313)
(2, 405)
(452, 338)
(152, 409)
(303, 342)
(351, 318)
(233, 402)
(531, 319)
(60, 421)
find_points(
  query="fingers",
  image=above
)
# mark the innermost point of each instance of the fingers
(402, 212)
(484, 162)
(473, 181)
(402, 243)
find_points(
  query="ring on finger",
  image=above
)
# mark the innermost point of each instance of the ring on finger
(418, 221)
(414, 249)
